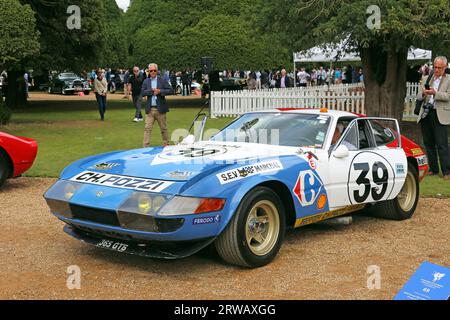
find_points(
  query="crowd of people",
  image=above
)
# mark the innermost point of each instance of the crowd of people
(281, 78)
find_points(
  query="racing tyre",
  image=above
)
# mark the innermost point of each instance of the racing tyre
(4, 168)
(254, 235)
(404, 206)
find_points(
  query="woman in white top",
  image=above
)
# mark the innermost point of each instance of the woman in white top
(101, 89)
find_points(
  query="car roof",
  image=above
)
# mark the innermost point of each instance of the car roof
(333, 113)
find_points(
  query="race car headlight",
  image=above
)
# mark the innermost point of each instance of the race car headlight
(59, 195)
(186, 205)
(143, 203)
(139, 210)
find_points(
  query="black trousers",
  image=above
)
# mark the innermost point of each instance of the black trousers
(101, 100)
(435, 139)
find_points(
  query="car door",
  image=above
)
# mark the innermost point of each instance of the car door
(365, 167)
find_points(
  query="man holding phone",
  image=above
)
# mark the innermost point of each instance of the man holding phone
(156, 90)
(434, 118)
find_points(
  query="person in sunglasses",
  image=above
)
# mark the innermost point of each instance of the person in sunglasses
(156, 90)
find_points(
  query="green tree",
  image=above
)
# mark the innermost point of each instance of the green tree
(69, 49)
(18, 41)
(383, 50)
(115, 51)
(176, 34)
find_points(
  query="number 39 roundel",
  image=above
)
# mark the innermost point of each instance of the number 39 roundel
(371, 178)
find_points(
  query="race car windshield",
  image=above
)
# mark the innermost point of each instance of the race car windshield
(284, 129)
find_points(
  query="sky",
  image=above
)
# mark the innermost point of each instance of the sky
(123, 4)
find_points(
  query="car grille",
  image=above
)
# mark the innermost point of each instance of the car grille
(130, 221)
(95, 215)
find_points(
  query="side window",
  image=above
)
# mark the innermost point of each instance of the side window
(350, 139)
(383, 133)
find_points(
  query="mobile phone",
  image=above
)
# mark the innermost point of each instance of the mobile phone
(427, 87)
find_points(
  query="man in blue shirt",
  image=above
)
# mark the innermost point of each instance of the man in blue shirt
(156, 90)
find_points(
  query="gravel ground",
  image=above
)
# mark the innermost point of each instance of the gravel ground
(316, 262)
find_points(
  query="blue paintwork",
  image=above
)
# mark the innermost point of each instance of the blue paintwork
(203, 182)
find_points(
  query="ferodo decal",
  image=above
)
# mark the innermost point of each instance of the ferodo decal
(250, 170)
(206, 220)
(308, 187)
(371, 178)
(122, 182)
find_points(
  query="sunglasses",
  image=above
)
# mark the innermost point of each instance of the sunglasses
(153, 70)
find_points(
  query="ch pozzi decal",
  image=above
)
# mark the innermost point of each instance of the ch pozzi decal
(123, 182)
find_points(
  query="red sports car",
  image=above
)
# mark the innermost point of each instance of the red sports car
(17, 155)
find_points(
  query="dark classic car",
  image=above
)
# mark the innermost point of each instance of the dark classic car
(65, 83)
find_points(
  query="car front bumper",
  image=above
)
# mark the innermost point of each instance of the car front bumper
(150, 249)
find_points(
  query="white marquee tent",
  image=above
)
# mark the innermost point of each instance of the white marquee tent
(329, 53)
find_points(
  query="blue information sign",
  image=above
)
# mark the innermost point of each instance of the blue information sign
(429, 282)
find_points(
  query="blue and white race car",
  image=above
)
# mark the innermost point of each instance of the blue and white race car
(241, 189)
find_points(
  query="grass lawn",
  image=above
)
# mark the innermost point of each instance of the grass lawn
(69, 130)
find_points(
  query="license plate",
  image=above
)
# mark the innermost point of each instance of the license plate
(112, 245)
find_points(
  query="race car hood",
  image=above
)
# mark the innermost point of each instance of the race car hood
(182, 162)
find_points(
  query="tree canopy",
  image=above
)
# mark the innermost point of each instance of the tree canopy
(18, 34)
(383, 49)
(176, 34)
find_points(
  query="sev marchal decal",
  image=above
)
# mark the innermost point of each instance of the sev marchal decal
(123, 182)
(250, 170)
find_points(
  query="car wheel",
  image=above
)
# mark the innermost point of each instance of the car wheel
(179, 90)
(4, 168)
(255, 234)
(404, 206)
(87, 92)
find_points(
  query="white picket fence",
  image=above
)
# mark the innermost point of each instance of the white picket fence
(337, 97)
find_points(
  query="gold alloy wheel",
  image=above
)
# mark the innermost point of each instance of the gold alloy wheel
(407, 195)
(262, 228)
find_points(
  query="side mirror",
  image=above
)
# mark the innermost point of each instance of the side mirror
(341, 152)
(190, 139)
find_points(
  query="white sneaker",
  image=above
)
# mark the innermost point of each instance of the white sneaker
(141, 119)
(135, 120)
